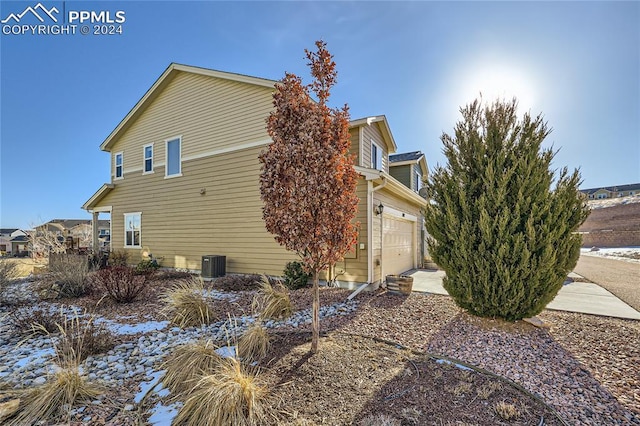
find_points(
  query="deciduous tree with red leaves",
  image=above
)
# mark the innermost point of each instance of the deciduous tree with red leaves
(308, 182)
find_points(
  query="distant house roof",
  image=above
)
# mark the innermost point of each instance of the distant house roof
(406, 156)
(618, 188)
(71, 223)
(4, 231)
(20, 238)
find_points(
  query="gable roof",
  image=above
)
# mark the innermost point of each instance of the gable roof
(8, 230)
(162, 82)
(406, 156)
(384, 127)
(618, 188)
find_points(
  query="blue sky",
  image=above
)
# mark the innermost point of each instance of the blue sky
(578, 63)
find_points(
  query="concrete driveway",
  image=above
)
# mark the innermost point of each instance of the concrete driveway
(587, 298)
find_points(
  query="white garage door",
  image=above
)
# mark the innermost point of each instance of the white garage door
(397, 245)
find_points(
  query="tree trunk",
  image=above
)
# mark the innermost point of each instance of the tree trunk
(315, 314)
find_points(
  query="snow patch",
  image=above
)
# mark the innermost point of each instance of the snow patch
(460, 366)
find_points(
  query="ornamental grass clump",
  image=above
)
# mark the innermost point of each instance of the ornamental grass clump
(272, 301)
(186, 304)
(254, 343)
(52, 401)
(187, 364)
(231, 395)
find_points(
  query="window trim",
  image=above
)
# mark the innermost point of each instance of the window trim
(144, 159)
(124, 243)
(166, 162)
(115, 165)
(379, 151)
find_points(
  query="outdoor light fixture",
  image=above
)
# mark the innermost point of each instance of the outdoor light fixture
(379, 209)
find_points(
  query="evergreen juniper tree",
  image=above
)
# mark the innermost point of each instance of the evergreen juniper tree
(501, 222)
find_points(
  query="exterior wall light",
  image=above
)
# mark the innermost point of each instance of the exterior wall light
(379, 209)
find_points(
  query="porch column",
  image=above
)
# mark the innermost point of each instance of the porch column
(95, 243)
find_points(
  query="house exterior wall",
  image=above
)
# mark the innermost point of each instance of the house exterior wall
(372, 133)
(210, 114)
(403, 174)
(388, 199)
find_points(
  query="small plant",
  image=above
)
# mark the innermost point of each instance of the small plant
(8, 272)
(70, 274)
(272, 301)
(186, 304)
(411, 415)
(121, 283)
(231, 395)
(485, 391)
(460, 389)
(187, 364)
(118, 258)
(54, 399)
(254, 344)
(506, 410)
(147, 266)
(238, 282)
(379, 420)
(295, 276)
(171, 274)
(33, 320)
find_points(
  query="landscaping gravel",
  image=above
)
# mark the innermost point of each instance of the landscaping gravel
(586, 367)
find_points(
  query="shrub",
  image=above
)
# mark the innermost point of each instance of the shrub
(120, 282)
(186, 365)
(502, 234)
(272, 301)
(295, 276)
(238, 282)
(231, 395)
(34, 320)
(8, 272)
(118, 258)
(254, 344)
(186, 304)
(171, 274)
(147, 267)
(70, 274)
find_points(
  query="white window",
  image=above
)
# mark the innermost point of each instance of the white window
(148, 158)
(376, 156)
(132, 222)
(118, 164)
(418, 181)
(173, 166)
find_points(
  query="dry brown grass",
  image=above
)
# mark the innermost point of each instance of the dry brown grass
(254, 344)
(272, 301)
(231, 395)
(506, 410)
(186, 305)
(187, 364)
(53, 400)
(380, 420)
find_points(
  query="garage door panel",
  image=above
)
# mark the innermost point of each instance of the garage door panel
(397, 245)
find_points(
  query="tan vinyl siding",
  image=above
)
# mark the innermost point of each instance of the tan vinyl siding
(354, 149)
(389, 200)
(180, 225)
(370, 133)
(209, 113)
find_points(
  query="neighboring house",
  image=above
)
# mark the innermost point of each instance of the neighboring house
(77, 232)
(185, 181)
(13, 241)
(612, 191)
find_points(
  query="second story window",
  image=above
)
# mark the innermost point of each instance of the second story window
(376, 156)
(418, 181)
(148, 158)
(173, 165)
(118, 164)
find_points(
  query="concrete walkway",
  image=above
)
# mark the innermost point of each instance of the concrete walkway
(586, 298)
